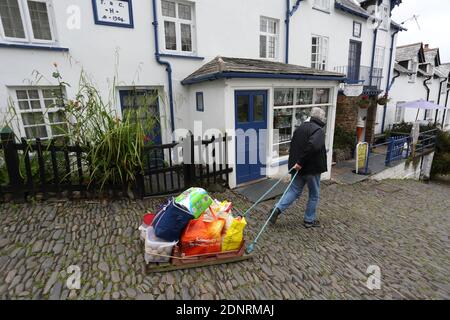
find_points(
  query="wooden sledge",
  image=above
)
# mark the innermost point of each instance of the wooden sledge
(180, 263)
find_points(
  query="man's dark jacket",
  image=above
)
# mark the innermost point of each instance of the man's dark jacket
(308, 148)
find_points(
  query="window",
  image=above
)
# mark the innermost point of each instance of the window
(199, 101)
(399, 112)
(26, 21)
(178, 25)
(319, 52)
(323, 5)
(379, 57)
(413, 66)
(41, 114)
(357, 27)
(384, 15)
(268, 38)
(292, 107)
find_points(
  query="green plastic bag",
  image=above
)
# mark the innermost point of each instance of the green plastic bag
(196, 200)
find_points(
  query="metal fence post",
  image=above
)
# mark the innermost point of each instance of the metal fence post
(11, 157)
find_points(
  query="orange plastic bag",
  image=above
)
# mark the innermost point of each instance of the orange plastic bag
(202, 237)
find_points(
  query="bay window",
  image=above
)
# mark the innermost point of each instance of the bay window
(178, 25)
(292, 107)
(26, 21)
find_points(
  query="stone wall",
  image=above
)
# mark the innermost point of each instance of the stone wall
(346, 113)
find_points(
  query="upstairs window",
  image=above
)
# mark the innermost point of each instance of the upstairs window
(319, 52)
(26, 21)
(399, 112)
(323, 5)
(268, 38)
(178, 26)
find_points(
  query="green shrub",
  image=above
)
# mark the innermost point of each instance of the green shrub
(441, 162)
(343, 139)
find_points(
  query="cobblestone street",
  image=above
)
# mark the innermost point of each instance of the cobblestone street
(401, 226)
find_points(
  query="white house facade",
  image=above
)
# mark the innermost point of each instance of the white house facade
(222, 64)
(419, 74)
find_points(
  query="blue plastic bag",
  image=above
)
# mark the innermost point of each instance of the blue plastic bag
(170, 221)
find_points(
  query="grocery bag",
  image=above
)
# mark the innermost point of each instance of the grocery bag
(202, 237)
(195, 200)
(234, 235)
(170, 221)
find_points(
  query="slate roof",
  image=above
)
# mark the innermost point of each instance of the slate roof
(401, 69)
(351, 7)
(432, 56)
(226, 67)
(408, 52)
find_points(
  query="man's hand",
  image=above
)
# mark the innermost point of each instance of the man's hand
(297, 167)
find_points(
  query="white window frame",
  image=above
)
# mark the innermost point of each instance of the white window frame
(399, 113)
(322, 5)
(413, 66)
(322, 53)
(28, 27)
(295, 106)
(268, 35)
(380, 54)
(178, 21)
(43, 109)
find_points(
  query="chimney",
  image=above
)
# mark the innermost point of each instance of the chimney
(426, 46)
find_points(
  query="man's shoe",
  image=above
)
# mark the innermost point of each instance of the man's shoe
(313, 224)
(275, 215)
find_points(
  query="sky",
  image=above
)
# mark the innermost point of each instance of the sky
(434, 21)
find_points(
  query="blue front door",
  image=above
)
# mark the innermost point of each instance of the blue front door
(251, 134)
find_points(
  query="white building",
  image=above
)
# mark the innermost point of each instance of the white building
(163, 44)
(419, 74)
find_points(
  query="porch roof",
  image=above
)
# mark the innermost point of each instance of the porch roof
(228, 68)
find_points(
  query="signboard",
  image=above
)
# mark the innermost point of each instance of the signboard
(353, 90)
(362, 155)
(117, 13)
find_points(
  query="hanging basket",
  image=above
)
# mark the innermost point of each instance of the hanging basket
(364, 102)
(382, 101)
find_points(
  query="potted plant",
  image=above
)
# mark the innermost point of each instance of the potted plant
(382, 101)
(364, 102)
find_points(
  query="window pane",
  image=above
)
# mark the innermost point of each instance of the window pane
(186, 37)
(272, 27)
(170, 36)
(48, 93)
(304, 96)
(271, 49)
(24, 105)
(263, 24)
(21, 94)
(49, 103)
(39, 20)
(33, 94)
(322, 96)
(281, 150)
(242, 109)
(284, 97)
(282, 121)
(11, 19)
(59, 129)
(35, 104)
(32, 118)
(36, 132)
(168, 9)
(262, 46)
(199, 98)
(258, 108)
(184, 12)
(57, 116)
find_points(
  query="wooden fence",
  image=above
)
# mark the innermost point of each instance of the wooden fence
(59, 169)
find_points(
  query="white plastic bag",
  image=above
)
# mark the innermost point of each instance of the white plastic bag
(156, 249)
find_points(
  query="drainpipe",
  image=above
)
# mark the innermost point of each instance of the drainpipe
(289, 13)
(164, 63)
(428, 92)
(372, 64)
(388, 85)
(445, 110)
(439, 100)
